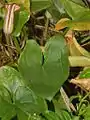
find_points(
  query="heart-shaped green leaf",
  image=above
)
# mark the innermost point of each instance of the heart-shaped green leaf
(45, 72)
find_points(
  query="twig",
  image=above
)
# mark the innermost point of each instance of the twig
(40, 18)
(8, 44)
(66, 100)
(43, 27)
(46, 29)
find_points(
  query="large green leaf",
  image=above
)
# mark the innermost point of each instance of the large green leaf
(15, 98)
(45, 73)
(38, 5)
(10, 80)
(25, 103)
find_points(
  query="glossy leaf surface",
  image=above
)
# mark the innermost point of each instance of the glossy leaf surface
(16, 98)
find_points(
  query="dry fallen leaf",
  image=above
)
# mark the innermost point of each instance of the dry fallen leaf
(75, 48)
(62, 23)
(78, 25)
(83, 83)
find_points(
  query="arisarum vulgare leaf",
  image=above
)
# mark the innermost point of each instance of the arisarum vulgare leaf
(45, 76)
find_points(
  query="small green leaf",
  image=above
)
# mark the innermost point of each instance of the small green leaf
(85, 73)
(20, 19)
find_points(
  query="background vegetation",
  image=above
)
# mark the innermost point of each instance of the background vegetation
(44, 59)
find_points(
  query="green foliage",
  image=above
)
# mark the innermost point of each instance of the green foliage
(10, 79)
(75, 11)
(20, 19)
(38, 5)
(16, 98)
(87, 113)
(64, 115)
(30, 92)
(41, 73)
(85, 73)
(59, 105)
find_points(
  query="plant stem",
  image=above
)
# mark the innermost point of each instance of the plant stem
(8, 44)
(46, 29)
(82, 100)
(50, 29)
